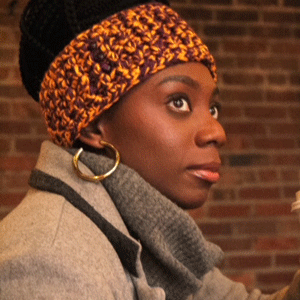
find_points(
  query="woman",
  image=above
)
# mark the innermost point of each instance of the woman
(139, 86)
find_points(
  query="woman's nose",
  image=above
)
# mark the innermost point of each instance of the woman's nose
(210, 133)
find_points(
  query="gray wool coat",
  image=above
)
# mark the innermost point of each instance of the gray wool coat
(49, 249)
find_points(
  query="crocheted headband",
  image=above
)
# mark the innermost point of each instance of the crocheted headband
(103, 63)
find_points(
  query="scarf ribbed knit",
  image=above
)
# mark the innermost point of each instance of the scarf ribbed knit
(175, 254)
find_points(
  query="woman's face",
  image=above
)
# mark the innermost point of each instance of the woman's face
(167, 130)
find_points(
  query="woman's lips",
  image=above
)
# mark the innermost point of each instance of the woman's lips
(209, 172)
(207, 175)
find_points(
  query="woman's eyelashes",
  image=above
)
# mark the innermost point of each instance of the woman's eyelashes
(179, 103)
(215, 110)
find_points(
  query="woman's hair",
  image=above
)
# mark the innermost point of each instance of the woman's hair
(99, 65)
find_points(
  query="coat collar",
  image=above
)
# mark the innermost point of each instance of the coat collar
(175, 255)
(54, 173)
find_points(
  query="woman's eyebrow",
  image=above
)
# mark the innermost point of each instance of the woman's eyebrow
(183, 79)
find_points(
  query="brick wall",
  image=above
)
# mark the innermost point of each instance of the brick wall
(257, 47)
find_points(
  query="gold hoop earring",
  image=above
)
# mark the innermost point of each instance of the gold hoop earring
(97, 177)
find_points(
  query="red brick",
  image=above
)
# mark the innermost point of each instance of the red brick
(213, 2)
(256, 227)
(243, 160)
(295, 79)
(29, 145)
(285, 129)
(244, 128)
(278, 243)
(282, 96)
(14, 163)
(267, 175)
(290, 191)
(276, 63)
(245, 46)
(282, 277)
(14, 127)
(5, 110)
(221, 30)
(16, 75)
(17, 180)
(41, 129)
(246, 62)
(223, 194)
(265, 112)
(286, 47)
(197, 213)
(242, 79)
(277, 79)
(259, 193)
(289, 226)
(233, 244)
(194, 13)
(242, 95)
(224, 62)
(294, 113)
(229, 177)
(281, 17)
(297, 32)
(287, 259)
(289, 160)
(247, 279)
(3, 4)
(238, 141)
(5, 145)
(8, 55)
(248, 261)
(233, 177)
(229, 211)
(11, 199)
(212, 45)
(248, 176)
(4, 72)
(270, 32)
(290, 175)
(257, 2)
(213, 229)
(294, 3)
(273, 209)
(17, 34)
(237, 15)
(27, 110)
(274, 143)
(230, 111)
(6, 36)
(9, 20)
(12, 91)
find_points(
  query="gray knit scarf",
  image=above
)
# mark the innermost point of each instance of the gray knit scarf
(175, 254)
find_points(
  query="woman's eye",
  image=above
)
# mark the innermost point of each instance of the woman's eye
(179, 104)
(215, 110)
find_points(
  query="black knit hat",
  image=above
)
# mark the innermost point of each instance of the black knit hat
(47, 26)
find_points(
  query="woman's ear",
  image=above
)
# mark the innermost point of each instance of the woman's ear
(92, 136)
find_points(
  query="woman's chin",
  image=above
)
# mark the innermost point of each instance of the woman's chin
(191, 201)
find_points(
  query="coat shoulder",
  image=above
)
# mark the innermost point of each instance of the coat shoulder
(47, 245)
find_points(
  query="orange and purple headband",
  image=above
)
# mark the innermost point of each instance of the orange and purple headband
(103, 63)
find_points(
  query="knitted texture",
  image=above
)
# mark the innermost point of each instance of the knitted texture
(47, 26)
(103, 63)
